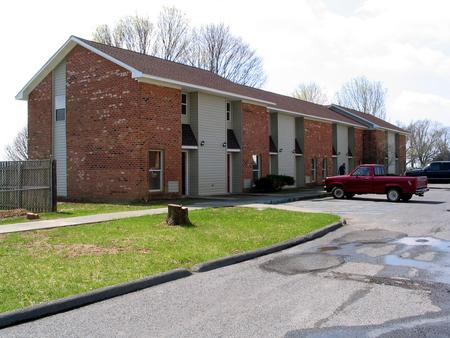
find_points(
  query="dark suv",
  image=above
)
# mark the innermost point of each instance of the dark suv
(435, 171)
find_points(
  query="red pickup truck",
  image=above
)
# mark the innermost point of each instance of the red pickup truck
(371, 179)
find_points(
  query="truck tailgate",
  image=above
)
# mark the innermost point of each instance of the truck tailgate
(422, 182)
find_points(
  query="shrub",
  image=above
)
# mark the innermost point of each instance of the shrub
(271, 183)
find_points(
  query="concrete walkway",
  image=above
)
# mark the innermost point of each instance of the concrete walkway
(244, 200)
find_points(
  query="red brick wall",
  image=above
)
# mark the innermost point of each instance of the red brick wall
(359, 141)
(112, 123)
(40, 120)
(318, 145)
(255, 138)
(374, 146)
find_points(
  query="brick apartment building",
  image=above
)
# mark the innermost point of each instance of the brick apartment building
(127, 126)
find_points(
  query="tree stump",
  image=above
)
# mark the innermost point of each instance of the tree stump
(32, 215)
(177, 215)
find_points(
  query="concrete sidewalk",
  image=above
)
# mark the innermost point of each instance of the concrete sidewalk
(63, 222)
(244, 200)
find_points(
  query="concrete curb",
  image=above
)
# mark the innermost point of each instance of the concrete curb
(97, 295)
(230, 260)
(297, 198)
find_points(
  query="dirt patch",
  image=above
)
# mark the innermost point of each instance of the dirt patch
(12, 213)
(39, 245)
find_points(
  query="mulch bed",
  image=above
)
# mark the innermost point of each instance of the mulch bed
(12, 213)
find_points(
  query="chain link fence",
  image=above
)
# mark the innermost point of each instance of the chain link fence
(29, 185)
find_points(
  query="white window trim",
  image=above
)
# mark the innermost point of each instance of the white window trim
(233, 150)
(161, 170)
(314, 170)
(228, 112)
(258, 159)
(189, 147)
(185, 104)
(324, 168)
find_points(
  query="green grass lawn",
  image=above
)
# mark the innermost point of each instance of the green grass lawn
(68, 209)
(43, 265)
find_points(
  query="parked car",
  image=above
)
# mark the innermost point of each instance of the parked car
(436, 171)
(372, 179)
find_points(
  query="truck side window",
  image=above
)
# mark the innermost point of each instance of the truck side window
(435, 167)
(362, 171)
(379, 171)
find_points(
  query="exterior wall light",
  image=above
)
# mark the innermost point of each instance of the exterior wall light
(280, 150)
(224, 145)
(202, 143)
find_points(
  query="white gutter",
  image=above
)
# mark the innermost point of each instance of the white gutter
(200, 88)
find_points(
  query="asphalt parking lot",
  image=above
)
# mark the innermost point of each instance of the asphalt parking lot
(386, 273)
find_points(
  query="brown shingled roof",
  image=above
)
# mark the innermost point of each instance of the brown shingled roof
(372, 119)
(195, 76)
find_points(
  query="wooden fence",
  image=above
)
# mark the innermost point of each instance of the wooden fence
(29, 185)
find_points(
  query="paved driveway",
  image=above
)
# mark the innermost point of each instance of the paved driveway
(387, 273)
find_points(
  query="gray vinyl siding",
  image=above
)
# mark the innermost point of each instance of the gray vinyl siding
(299, 160)
(212, 156)
(351, 146)
(342, 145)
(335, 159)
(59, 132)
(193, 154)
(236, 125)
(391, 153)
(273, 131)
(286, 141)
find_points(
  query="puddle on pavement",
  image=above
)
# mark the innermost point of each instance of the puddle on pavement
(424, 258)
(435, 243)
(301, 263)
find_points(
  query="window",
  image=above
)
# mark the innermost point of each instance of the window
(60, 114)
(379, 171)
(445, 166)
(184, 104)
(155, 159)
(313, 170)
(324, 168)
(434, 166)
(362, 171)
(228, 111)
(256, 167)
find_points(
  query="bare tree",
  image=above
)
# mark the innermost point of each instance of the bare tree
(443, 146)
(103, 35)
(427, 140)
(135, 33)
(363, 95)
(18, 149)
(173, 35)
(219, 51)
(212, 47)
(311, 92)
(132, 32)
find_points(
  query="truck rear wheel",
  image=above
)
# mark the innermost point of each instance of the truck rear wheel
(338, 192)
(393, 195)
(406, 197)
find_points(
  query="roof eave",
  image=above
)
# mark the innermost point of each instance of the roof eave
(314, 117)
(188, 86)
(370, 125)
(60, 54)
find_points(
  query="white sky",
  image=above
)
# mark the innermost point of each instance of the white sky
(403, 43)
